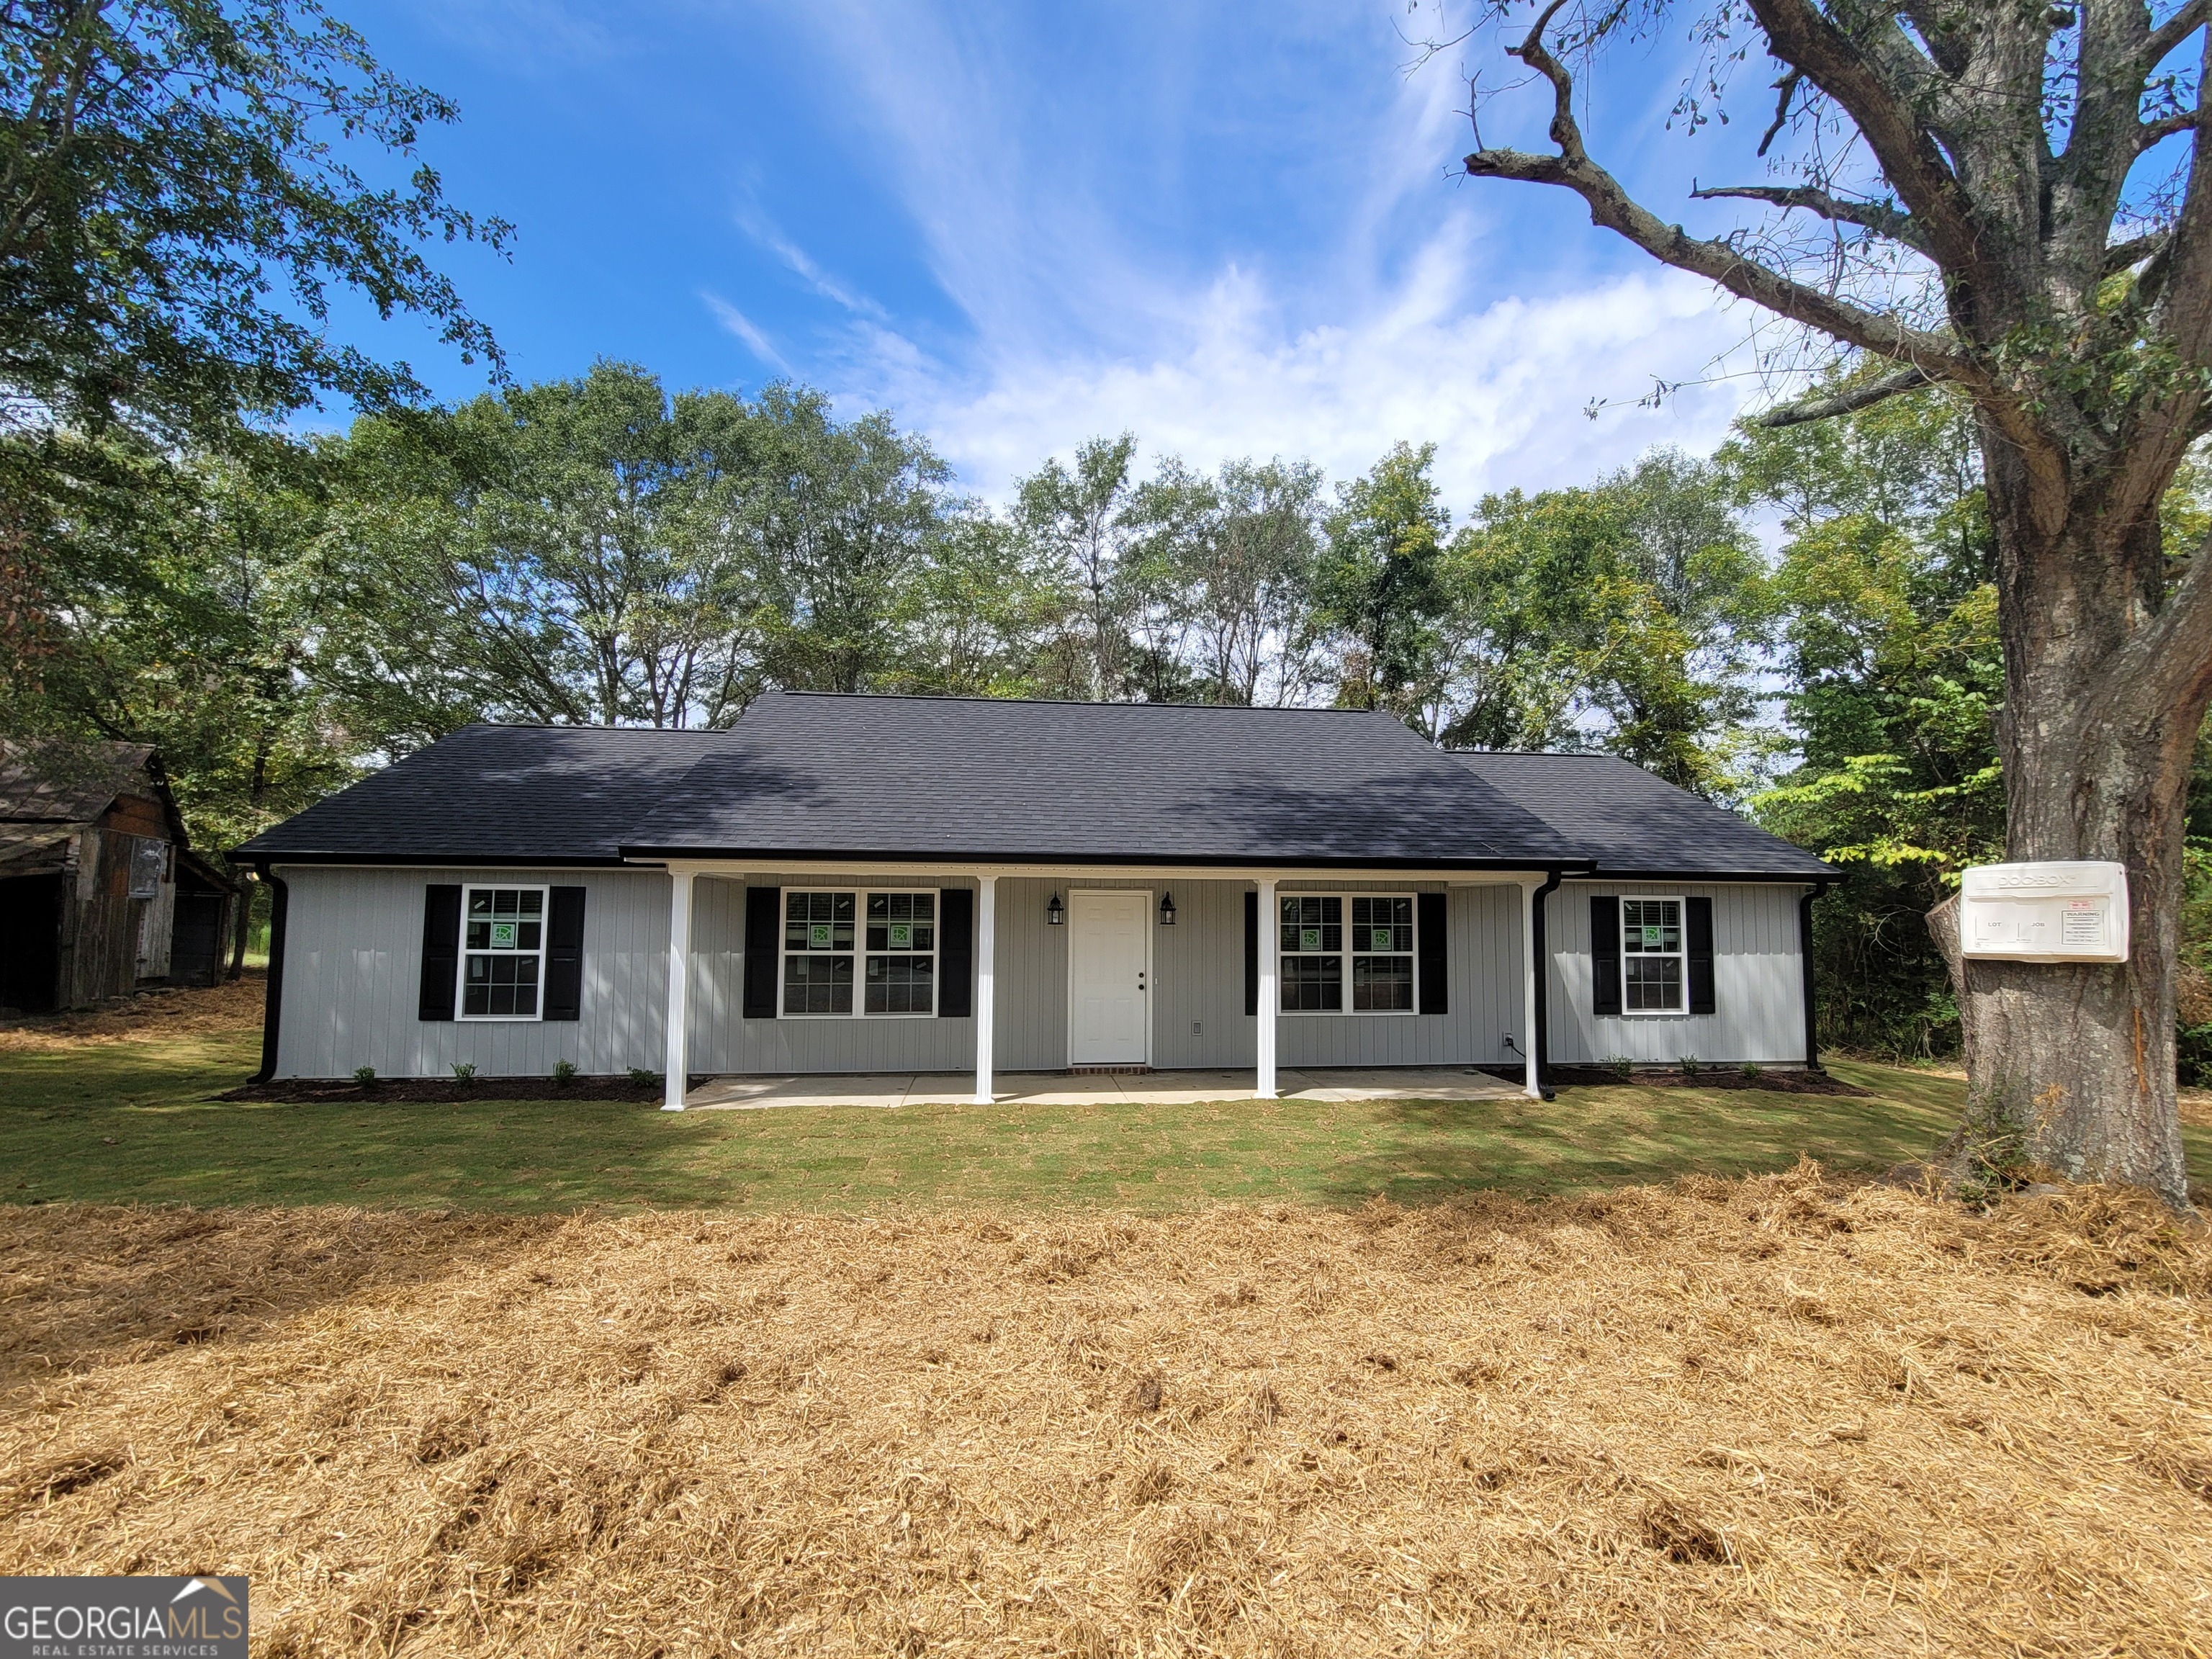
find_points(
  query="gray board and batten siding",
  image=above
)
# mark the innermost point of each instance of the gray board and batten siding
(1759, 1008)
(353, 968)
(354, 953)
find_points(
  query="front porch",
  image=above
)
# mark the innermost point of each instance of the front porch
(1401, 982)
(1179, 1088)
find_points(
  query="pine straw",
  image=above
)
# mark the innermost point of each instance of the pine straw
(1778, 1415)
(150, 1016)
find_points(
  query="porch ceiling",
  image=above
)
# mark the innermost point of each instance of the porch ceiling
(1061, 1089)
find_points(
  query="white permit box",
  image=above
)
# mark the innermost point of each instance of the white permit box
(2058, 912)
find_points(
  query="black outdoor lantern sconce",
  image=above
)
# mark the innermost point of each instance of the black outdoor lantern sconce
(1167, 909)
(1053, 915)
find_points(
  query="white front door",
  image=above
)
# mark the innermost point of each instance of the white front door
(1108, 959)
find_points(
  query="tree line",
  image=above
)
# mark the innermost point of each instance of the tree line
(598, 550)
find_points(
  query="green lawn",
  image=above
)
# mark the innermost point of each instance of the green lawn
(134, 1121)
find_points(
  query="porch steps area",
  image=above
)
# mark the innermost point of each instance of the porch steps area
(1098, 1089)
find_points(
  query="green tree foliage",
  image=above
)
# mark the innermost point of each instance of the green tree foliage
(1080, 518)
(199, 639)
(1381, 588)
(179, 202)
(594, 550)
(1627, 615)
(1895, 675)
(1225, 578)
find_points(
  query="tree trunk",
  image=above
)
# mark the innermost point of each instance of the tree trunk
(2076, 1061)
(239, 932)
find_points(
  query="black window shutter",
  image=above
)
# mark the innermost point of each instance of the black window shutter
(1429, 951)
(1697, 935)
(761, 904)
(564, 953)
(956, 952)
(441, 950)
(1251, 953)
(1605, 955)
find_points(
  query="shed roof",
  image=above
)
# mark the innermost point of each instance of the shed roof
(808, 776)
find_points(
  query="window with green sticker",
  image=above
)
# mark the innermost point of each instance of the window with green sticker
(1346, 952)
(883, 942)
(503, 952)
(1651, 971)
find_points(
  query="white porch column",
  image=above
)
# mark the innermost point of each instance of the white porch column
(679, 987)
(986, 977)
(1270, 999)
(1529, 902)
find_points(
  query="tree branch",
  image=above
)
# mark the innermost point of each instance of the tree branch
(2173, 31)
(1876, 216)
(1863, 396)
(2133, 252)
(1612, 207)
(2173, 650)
(1787, 86)
(2157, 131)
(1799, 35)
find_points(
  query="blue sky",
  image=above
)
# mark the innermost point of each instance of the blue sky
(1228, 229)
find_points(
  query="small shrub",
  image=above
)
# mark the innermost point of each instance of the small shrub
(642, 1077)
(1752, 1071)
(564, 1072)
(465, 1073)
(365, 1076)
(1621, 1066)
(1689, 1065)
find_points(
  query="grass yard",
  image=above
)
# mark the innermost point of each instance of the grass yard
(125, 1114)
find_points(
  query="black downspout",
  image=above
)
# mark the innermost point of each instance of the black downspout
(1805, 972)
(272, 1007)
(1543, 1035)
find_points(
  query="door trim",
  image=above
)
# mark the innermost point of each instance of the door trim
(1152, 979)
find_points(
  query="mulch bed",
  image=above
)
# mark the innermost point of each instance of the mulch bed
(1708, 1076)
(439, 1090)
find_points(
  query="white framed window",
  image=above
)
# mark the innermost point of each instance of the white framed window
(1346, 953)
(1654, 965)
(859, 952)
(503, 952)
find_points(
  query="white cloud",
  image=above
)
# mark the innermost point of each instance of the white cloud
(734, 321)
(763, 230)
(1501, 390)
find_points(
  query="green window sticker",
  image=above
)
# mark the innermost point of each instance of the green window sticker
(1309, 939)
(1650, 937)
(817, 936)
(901, 936)
(502, 936)
(1378, 939)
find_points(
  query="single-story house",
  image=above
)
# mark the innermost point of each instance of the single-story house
(885, 883)
(101, 891)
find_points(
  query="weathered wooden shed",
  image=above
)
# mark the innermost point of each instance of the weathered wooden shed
(100, 892)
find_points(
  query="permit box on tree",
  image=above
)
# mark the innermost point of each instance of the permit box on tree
(2060, 912)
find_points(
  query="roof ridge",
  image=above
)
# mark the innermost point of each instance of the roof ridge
(1069, 703)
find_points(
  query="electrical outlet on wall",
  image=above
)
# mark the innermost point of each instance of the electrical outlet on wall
(1197, 1029)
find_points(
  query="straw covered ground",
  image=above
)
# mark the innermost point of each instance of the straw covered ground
(1784, 1414)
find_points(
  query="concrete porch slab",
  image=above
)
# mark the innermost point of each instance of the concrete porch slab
(1059, 1089)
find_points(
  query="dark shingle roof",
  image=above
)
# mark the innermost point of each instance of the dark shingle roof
(807, 775)
(1636, 824)
(1140, 782)
(495, 794)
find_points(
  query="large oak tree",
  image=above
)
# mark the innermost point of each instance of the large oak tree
(2042, 167)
